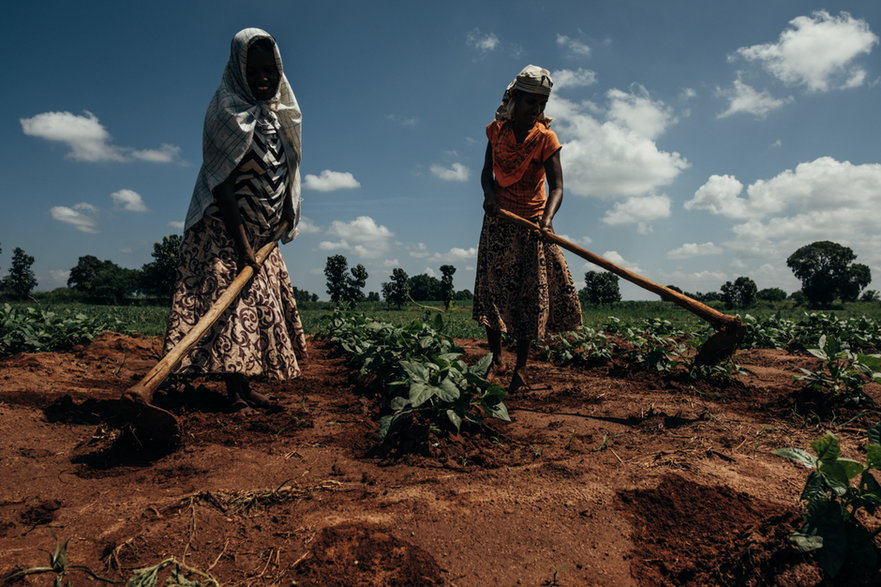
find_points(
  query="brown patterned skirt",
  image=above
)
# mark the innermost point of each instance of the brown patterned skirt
(260, 334)
(523, 284)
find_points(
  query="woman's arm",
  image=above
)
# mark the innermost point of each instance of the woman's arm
(225, 196)
(554, 173)
(487, 182)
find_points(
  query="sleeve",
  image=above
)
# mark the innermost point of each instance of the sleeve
(551, 145)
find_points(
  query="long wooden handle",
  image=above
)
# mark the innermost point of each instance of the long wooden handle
(170, 361)
(711, 315)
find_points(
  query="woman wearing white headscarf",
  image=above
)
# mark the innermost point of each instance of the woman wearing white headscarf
(247, 190)
(522, 286)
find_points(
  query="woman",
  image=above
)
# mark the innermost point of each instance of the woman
(247, 194)
(523, 285)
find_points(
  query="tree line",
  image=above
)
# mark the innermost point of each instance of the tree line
(827, 270)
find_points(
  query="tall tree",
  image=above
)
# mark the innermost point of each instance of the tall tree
(827, 272)
(771, 294)
(739, 294)
(424, 287)
(21, 279)
(335, 271)
(158, 277)
(446, 284)
(355, 284)
(601, 287)
(103, 281)
(396, 291)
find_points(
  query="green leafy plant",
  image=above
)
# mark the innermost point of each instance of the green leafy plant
(832, 529)
(840, 376)
(59, 565)
(30, 329)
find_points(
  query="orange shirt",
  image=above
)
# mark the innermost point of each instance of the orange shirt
(519, 167)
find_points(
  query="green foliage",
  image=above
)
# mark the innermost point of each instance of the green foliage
(827, 272)
(20, 280)
(840, 376)
(601, 287)
(419, 370)
(771, 294)
(588, 347)
(425, 288)
(396, 291)
(344, 287)
(832, 528)
(740, 294)
(446, 284)
(158, 277)
(31, 329)
(103, 282)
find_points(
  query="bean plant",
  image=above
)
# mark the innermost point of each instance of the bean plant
(840, 376)
(837, 490)
(30, 329)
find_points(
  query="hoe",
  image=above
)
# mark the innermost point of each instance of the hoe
(729, 329)
(153, 426)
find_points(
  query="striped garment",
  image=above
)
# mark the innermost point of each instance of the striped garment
(261, 183)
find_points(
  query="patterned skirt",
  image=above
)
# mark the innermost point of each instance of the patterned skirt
(523, 284)
(260, 334)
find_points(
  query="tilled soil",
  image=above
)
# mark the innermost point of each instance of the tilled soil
(605, 476)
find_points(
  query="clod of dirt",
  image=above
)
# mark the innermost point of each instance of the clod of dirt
(40, 514)
(359, 555)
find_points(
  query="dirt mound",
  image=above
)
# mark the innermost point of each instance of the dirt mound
(604, 476)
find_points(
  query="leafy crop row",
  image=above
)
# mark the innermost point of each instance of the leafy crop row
(419, 370)
(860, 333)
(30, 329)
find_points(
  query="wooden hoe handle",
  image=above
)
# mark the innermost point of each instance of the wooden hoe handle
(711, 315)
(152, 380)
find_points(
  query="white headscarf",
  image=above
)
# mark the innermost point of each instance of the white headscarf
(229, 128)
(533, 80)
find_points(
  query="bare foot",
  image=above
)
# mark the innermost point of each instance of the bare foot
(240, 406)
(518, 382)
(255, 398)
(493, 371)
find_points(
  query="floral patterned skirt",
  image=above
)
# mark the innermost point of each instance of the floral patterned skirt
(523, 284)
(260, 334)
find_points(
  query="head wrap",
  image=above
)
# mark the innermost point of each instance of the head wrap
(533, 80)
(229, 128)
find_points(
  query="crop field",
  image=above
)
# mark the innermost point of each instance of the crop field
(393, 461)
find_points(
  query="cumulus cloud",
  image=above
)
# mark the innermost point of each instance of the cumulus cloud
(817, 52)
(456, 254)
(419, 250)
(88, 140)
(482, 41)
(58, 277)
(81, 216)
(573, 45)
(618, 157)
(177, 224)
(744, 98)
(720, 196)
(456, 172)
(616, 258)
(569, 78)
(129, 200)
(640, 211)
(362, 237)
(689, 250)
(306, 226)
(329, 181)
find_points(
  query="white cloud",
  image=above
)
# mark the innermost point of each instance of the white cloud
(456, 254)
(81, 216)
(58, 277)
(744, 98)
(177, 224)
(329, 181)
(616, 258)
(419, 251)
(640, 211)
(719, 196)
(456, 172)
(636, 111)
(568, 78)
(129, 200)
(482, 41)
(615, 158)
(689, 250)
(816, 51)
(583, 241)
(306, 226)
(88, 140)
(573, 45)
(362, 237)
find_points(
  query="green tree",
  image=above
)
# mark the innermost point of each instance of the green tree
(355, 284)
(739, 294)
(827, 272)
(601, 287)
(21, 279)
(335, 270)
(159, 276)
(771, 294)
(395, 291)
(870, 295)
(424, 287)
(446, 283)
(301, 295)
(103, 281)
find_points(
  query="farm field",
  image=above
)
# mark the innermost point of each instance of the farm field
(605, 475)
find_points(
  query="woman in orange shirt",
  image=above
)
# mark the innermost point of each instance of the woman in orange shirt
(523, 284)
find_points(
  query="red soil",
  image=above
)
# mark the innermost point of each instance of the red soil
(609, 477)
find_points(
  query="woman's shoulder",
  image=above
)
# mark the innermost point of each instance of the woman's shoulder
(493, 129)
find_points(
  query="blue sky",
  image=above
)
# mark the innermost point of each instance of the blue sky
(703, 140)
